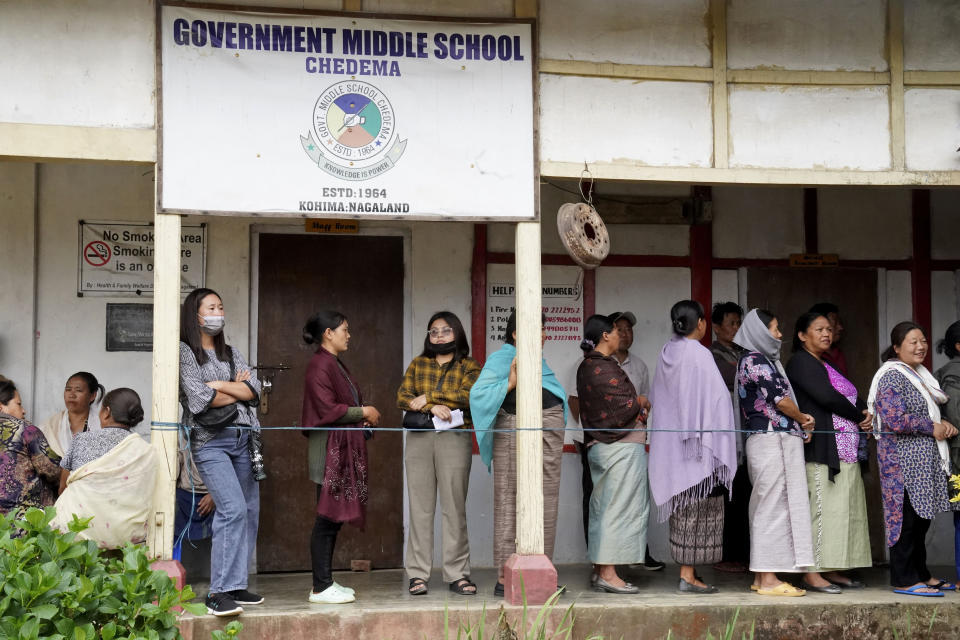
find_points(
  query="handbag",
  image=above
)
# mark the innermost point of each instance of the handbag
(219, 418)
(419, 421)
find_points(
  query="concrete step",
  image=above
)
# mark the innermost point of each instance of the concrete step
(384, 610)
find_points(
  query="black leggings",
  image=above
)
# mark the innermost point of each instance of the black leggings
(908, 557)
(322, 541)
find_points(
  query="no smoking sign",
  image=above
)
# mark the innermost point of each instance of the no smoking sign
(97, 253)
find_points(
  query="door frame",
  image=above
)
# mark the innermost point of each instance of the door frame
(256, 230)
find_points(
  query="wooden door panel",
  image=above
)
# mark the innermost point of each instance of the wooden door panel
(789, 293)
(362, 277)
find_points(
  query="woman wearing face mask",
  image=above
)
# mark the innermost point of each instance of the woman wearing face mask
(29, 469)
(81, 415)
(914, 457)
(214, 375)
(436, 384)
(109, 475)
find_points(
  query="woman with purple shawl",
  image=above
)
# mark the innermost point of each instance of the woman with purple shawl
(693, 449)
(337, 458)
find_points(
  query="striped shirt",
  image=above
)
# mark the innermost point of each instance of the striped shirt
(196, 396)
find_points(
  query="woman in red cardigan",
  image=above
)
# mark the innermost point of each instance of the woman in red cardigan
(337, 457)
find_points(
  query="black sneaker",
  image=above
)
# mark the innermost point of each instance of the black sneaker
(242, 596)
(221, 604)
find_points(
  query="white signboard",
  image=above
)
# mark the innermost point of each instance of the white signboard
(333, 116)
(562, 300)
(116, 258)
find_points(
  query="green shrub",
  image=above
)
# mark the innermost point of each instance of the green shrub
(56, 587)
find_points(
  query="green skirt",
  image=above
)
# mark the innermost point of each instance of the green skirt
(838, 511)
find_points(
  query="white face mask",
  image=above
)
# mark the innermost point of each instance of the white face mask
(212, 325)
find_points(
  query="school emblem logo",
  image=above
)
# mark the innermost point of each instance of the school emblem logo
(354, 132)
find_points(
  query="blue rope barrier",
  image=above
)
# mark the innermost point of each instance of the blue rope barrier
(174, 426)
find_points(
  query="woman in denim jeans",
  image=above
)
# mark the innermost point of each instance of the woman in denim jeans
(213, 374)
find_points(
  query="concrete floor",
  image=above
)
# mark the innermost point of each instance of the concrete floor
(384, 610)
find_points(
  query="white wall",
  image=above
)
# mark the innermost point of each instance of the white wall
(17, 255)
(807, 34)
(489, 8)
(626, 31)
(71, 329)
(932, 128)
(84, 63)
(603, 120)
(930, 30)
(809, 127)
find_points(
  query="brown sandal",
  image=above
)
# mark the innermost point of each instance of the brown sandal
(417, 587)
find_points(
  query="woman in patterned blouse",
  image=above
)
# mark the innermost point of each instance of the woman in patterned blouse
(29, 469)
(913, 457)
(776, 429)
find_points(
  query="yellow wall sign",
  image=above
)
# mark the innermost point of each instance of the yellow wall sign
(814, 260)
(332, 226)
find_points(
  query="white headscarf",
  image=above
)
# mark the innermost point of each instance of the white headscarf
(929, 388)
(754, 335)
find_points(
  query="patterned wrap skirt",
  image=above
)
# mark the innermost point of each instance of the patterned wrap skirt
(696, 532)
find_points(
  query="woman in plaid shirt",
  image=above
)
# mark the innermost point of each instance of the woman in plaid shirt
(438, 462)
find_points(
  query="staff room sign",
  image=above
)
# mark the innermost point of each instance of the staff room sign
(116, 258)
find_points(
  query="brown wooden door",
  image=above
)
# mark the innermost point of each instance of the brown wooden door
(789, 293)
(362, 277)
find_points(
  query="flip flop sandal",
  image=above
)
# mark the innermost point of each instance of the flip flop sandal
(754, 587)
(943, 585)
(782, 589)
(460, 587)
(912, 591)
(417, 587)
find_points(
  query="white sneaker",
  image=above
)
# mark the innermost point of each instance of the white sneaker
(345, 589)
(331, 595)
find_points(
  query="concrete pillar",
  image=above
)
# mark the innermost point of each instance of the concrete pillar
(539, 577)
(166, 373)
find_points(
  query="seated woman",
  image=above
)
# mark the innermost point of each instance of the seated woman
(780, 537)
(693, 448)
(109, 475)
(615, 438)
(28, 467)
(493, 406)
(82, 413)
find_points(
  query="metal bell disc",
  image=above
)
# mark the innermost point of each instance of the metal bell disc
(583, 233)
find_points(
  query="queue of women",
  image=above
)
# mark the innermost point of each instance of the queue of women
(800, 432)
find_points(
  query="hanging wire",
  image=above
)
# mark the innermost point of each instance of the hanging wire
(585, 174)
